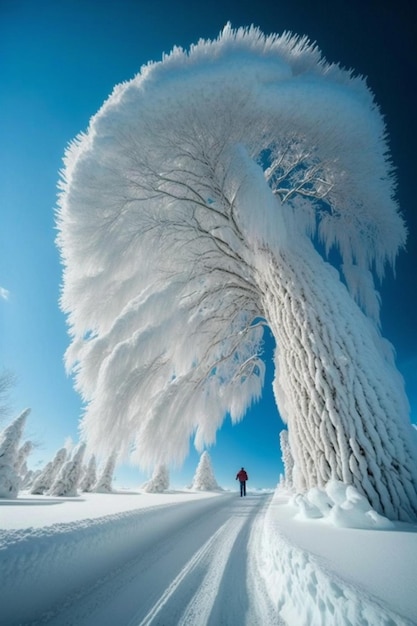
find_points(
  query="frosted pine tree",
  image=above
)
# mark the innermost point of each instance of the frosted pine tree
(190, 217)
(204, 479)
(9, 446)
(159, 481)
(105, 478)
(66, 482)
(89, 478)
(43, 482)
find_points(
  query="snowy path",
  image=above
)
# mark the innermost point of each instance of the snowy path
(191, 569)
(131, 559)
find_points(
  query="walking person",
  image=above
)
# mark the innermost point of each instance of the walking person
(242, 477)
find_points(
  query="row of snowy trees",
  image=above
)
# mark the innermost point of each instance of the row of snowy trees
(203, 480)
(64, 475)
(67, 474)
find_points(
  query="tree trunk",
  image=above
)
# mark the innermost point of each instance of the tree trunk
(343, 399)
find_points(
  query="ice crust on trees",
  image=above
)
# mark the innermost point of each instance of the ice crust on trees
(192, 202)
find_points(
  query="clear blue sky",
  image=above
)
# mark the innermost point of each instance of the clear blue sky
(58, 63)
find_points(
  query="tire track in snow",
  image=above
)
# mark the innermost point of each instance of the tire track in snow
(214, 585)
(189, 569)
(215, 553)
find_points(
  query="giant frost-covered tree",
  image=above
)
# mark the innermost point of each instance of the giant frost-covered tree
(201, 205)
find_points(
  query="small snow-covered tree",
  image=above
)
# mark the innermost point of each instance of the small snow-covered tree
(204, 479)
(159, 481)
(197, 200)
(22, 457)
(105, 478)
(31, 477)
(43, 482)
(27, 479)
(287, 460)
(9, 447)
(89, 478)
(66, 482)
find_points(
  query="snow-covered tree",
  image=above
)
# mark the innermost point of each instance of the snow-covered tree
(44, 481)
(204, 479)
(89, 478)
(105, 478)
(9, 447)
(200, 206)
(27, 479)
(66, 482)
(22, 457)
(287, 460)
(159, 481)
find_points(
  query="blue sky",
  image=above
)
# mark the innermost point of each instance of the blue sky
(58, 63)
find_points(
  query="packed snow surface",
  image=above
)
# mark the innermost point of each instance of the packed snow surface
(199, 558)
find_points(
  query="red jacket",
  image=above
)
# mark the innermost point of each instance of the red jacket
(242, 475)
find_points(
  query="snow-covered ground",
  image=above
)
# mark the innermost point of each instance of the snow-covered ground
(198, 558)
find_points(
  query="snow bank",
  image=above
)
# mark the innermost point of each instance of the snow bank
(307, 587)
(58, 561)
(342, 505)
(313, 572)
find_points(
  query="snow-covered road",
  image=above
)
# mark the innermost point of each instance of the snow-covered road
(173, 565)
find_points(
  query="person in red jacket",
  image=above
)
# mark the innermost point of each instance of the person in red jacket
(242, 477)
